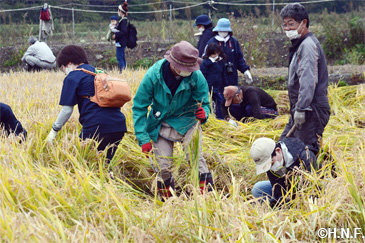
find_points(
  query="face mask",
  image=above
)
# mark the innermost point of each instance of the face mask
(277, 165)
(182, 73)
(293, 34)
(213, 59)
(201, 29)
(222, 33)
(68, 70)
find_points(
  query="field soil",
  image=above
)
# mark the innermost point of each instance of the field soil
(102, 54)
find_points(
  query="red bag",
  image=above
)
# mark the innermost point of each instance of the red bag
(45, 15)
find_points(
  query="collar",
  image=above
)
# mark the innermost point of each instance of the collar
(288, 158)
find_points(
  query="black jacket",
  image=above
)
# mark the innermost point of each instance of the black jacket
(303, 158)
(255, 97)
(203, 40)
(122, 35)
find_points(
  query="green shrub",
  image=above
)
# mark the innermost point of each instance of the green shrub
(145, 62)
(14, 59)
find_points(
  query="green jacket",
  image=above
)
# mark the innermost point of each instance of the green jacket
(178, 111)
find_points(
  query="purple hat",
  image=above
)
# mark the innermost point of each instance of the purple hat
(184, 56)
(114, 18)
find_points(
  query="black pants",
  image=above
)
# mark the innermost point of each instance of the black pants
(106, 139)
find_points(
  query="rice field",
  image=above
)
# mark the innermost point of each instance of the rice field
(62, 193)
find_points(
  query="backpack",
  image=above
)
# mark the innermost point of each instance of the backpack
(132, 36)
(45, 15)
(109, 91)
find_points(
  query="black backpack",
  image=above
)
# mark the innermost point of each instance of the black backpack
(132, 36)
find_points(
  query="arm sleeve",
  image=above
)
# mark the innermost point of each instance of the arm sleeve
(69, 92)
(240, 60)
(204, 68)
(309, 160)
(201, 93)
(29, 52)
(63, 116)
(141, 101)
(307, 72)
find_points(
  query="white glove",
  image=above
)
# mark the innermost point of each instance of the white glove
(232, 122)
(248, 77)
(52, 134)
(299, 118)
(115, 30)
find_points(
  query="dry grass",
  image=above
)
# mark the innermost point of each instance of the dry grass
(62, 194)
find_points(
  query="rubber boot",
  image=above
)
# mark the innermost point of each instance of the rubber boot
(206, 182)
(164, 187)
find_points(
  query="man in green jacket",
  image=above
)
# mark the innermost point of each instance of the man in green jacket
(178, 95)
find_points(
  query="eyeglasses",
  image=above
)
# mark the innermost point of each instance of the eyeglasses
(290, 24)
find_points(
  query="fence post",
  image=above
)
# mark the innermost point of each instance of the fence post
(273, 12)
(73, 22)
(170, 29)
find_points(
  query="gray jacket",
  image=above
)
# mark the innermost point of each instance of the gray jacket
(308, 76)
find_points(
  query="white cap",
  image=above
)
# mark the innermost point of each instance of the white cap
(261, 151)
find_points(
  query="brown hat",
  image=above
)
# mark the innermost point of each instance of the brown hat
(184, 56)
(229, 93)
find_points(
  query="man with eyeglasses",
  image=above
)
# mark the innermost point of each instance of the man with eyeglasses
(308, 79)
(253, 102)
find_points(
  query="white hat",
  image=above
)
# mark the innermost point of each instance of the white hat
(261, 151)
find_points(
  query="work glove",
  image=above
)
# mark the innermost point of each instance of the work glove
(233, 123)
(51, 136)
(146, 148)
(248, 77)
(299, 118)
(200, 114)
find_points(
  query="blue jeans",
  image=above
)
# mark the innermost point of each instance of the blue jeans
(263, 189)
(121, 58)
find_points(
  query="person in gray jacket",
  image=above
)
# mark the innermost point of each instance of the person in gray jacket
(38, 56)
(308, 79)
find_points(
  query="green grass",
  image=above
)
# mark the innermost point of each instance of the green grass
(61, 193)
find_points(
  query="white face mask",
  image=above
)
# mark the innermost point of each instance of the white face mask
(68, 70)
(277, 165)
(222, 33)
(201, 29)
(213, 59)
(293, 34)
